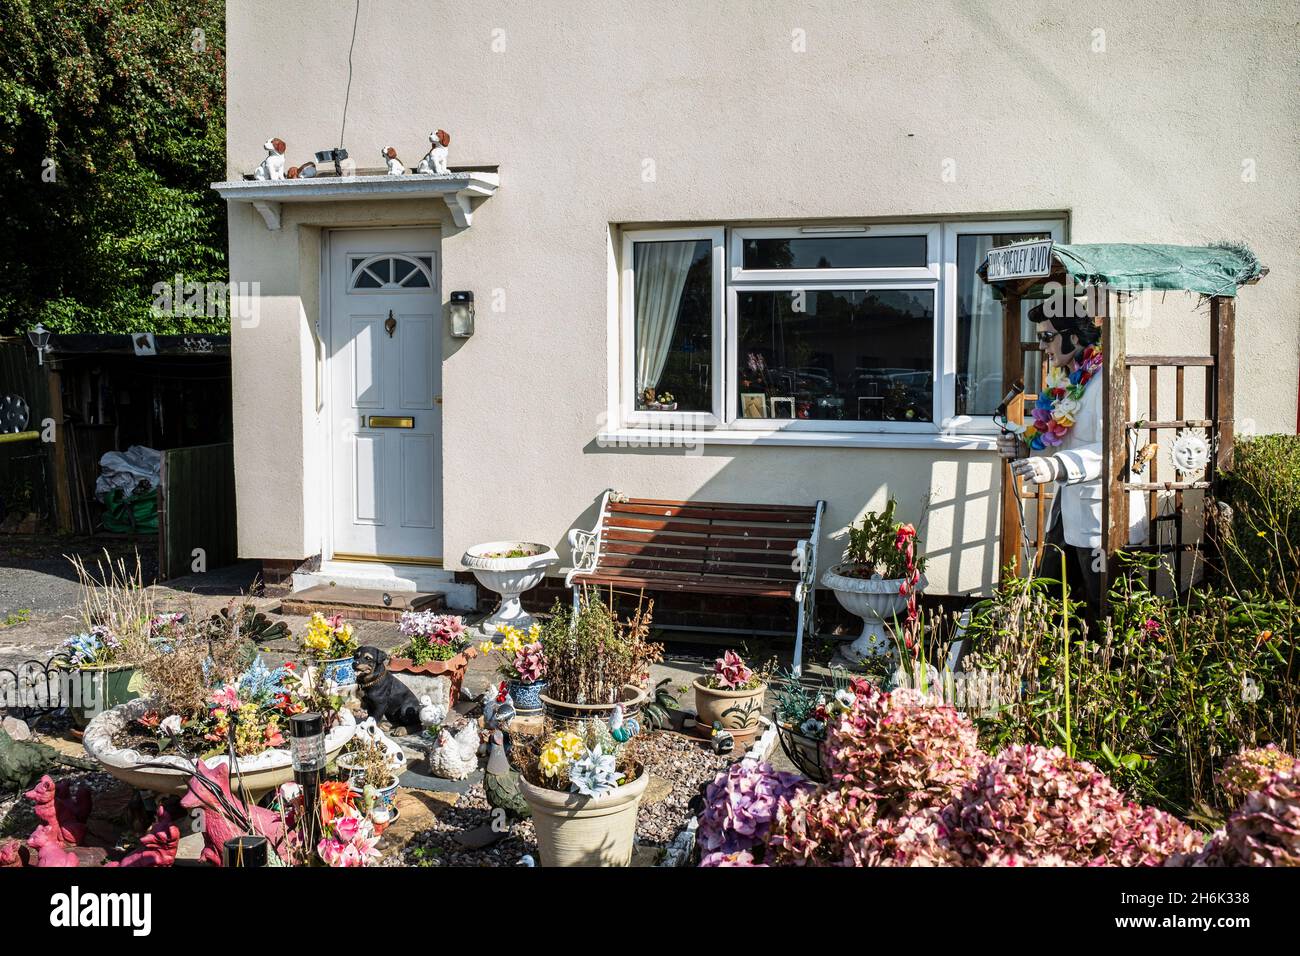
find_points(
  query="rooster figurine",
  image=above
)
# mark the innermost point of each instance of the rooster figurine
(455, 757)
(621, 728)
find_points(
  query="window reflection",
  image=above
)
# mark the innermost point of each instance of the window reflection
(841, 354)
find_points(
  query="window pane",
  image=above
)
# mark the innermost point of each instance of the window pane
(837, 252)
(673, 325)
(852, 354)
(979, 325)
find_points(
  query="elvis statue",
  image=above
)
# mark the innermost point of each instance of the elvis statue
(1061, 442)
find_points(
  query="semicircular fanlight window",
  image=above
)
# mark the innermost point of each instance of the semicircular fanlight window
(389, 272)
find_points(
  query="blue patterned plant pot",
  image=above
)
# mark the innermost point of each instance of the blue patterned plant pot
(527, 697)
(339, 671)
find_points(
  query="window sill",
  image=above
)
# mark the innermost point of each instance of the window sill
(668, 438)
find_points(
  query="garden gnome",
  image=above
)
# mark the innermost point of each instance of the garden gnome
(1061, 443)
(435, 160)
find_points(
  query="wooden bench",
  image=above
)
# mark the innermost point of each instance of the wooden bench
(703, 547)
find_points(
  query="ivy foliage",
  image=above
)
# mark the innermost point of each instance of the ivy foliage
(112, 128)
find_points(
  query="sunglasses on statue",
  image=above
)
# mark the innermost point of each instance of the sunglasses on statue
(1046, 338)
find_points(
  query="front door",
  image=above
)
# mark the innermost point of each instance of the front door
(385, 373)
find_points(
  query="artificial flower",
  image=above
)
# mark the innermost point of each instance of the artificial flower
(171, 725)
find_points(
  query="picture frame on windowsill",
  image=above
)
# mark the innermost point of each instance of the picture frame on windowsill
(753, 405)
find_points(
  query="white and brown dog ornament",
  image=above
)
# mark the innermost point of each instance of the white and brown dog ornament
(435, 160)
(273, 166)
(390, 159)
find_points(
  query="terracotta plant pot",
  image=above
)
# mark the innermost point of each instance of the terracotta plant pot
(573, 830)
(424, 678)
(738, 710)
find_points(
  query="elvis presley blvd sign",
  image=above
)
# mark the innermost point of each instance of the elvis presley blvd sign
(1024, 260)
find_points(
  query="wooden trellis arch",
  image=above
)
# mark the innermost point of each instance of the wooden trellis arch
(1209, 271)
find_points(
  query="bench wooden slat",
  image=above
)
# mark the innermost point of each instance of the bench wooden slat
(688, 583)
(774, 546)
(734, 513)
(649, 524)
(810, 510)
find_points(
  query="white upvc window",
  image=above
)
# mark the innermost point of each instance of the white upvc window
(671, 333)
(815, 333)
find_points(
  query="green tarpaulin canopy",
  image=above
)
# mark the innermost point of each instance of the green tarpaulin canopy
(1134, 267)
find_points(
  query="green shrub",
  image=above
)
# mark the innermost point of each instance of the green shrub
(1262, 548)
(1160, 700)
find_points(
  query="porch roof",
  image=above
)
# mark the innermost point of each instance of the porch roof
(1133, 267)
(456, 189)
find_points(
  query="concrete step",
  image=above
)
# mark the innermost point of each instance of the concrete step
(366, 604)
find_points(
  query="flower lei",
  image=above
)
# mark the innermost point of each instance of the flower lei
(1058, 404)
(905, 541)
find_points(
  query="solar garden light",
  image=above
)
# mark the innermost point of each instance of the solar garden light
(461, 310)
(307, 749)
(245, 851)
(335, 156)
(40, 339)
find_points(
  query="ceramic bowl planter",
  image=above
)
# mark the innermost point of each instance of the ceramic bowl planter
(574, 830)
(93, 690)
(568, 714)
(527, 696)
(877, 601)
(436, 679)
(737, 710)
(170, 773)
(509, 568)
(339, 670)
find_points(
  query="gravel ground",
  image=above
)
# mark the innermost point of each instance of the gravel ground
(668, 756)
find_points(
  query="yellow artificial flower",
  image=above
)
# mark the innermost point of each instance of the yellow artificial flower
(570, 745)
(552, 761)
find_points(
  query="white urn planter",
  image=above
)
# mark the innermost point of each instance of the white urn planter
(170, 773)
(877, 601)
(509, 568)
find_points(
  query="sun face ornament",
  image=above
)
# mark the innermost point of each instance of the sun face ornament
(1190, 452)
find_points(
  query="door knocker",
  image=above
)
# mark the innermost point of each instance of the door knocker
(390, 325)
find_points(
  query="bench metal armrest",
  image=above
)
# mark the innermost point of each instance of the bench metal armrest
(585, 545)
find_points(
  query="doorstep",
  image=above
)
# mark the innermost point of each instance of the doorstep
(398, 581)
(363, 604)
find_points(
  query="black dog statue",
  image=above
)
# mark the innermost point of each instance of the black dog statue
(383, 696)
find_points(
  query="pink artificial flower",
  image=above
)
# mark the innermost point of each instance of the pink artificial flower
(226, 697)
(731, 672)
(347, 828)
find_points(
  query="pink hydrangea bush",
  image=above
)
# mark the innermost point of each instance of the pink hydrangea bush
(1251, 770)
(740, 807)
(1265, 829)
(894, 763)
(1035, 803)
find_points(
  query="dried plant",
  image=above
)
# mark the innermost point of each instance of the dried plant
(180, 672)
(592, 653)
(116, 599)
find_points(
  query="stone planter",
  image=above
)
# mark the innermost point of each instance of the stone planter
(573, 830)
(170, 773)
(527, 697)
(93, 690)
(737, 710)
(509, 577)
(877, 601)
(438, 680)
(568, 714)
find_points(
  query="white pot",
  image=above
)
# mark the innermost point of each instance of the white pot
(877, 601)
(170, 773)
(509, 577)
(573, 830)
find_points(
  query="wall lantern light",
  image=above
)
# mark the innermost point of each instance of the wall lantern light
(461, 310)
(40, 339)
